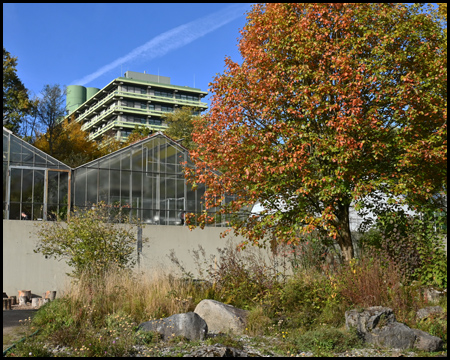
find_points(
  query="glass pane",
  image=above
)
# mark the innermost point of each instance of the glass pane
(115, 163)
(170, 188)
(171, 168)
(26, 214)
(16, 152)
(5, 170)
(38, 211)
(27, 157)
(5, 145)
(53, 187)
(38, 191)
(114, 190)
(125, 161)
(172, 154)
(27, 186)
(137, 160)
(161, 193)
(173, 218)
(92, 186)
(103, 186)
(63, 188)
(16, 182)
(149, 192)
(161, 154)
(180, 190)
(80, 187)
(136, 190)
(125, 187)
(190, 203)
(52, 211)
(14, 211)
(40, 161)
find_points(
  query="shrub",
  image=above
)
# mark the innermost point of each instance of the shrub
(413, 243)
(257, 322)
(313, 252)
(373, 281)
(89, 241)
(310, 298)
(240, 278)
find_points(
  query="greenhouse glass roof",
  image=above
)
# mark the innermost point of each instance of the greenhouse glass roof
(146, 179)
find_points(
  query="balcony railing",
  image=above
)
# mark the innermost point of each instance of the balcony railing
(117, 123)
(97, 106)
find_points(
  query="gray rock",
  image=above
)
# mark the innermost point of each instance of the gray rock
(189, 325)
(394, 335)
(221, 317)
(433, 295)
(377, 325)
(427, 342)
(217, 350)
(368, 319)
(427, 311)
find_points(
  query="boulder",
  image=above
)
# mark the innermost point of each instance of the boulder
(189, 325)
(393, 335)
(427, 311)
(367, 320)
(427, 342)
(221, 317)
(377, 325)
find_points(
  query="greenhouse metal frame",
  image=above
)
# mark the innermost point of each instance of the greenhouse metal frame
(145, 180)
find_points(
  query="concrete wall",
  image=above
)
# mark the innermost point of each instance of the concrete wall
(22, 268)
(25, 270)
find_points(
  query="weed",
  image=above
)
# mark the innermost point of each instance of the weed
(323, 341)
(257, 322)
(227, 340)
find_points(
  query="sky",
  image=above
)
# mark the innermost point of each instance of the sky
(92, 44)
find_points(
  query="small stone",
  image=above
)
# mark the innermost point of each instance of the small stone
(427, 311)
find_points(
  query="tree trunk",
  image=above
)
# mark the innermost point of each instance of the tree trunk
(344, 237)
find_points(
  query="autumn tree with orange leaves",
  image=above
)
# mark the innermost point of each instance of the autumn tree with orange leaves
(71, 145)
(331, 104)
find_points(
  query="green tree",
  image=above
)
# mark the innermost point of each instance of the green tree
(16, 103)
(331, 105)
(180, 125)
(50, 111)
(90, 241)
(138, 133)
(442, 10)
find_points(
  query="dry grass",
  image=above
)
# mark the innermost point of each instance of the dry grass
(144, 296)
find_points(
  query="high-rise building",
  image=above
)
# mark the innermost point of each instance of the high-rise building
(135, 99)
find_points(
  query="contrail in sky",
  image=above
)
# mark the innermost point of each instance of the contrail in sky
(172, 39)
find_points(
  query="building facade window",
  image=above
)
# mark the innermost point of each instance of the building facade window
(163, 93)
(166, 108)
(186, 97)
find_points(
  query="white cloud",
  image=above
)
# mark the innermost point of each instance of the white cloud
(172, 39)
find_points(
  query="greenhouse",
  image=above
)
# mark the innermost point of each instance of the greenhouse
(145, 179)
(35, 185)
